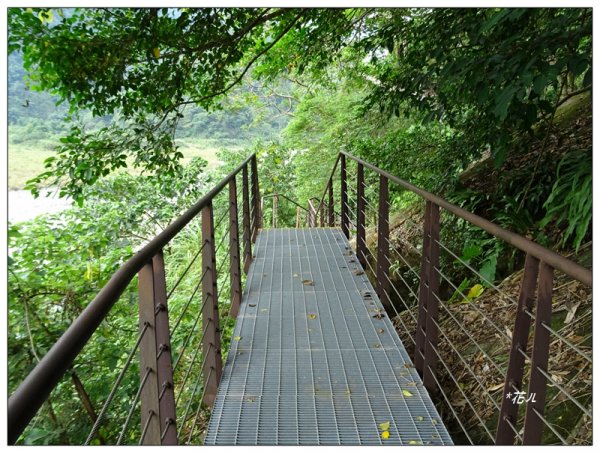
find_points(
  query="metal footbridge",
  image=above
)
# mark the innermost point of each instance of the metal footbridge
(336, 332)
(315, 360)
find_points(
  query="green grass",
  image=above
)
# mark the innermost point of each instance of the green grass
(26, 160)
(206, 149)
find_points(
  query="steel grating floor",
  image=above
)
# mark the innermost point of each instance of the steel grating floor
(312, 361)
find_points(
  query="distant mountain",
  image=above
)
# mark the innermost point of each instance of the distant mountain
(34, 115)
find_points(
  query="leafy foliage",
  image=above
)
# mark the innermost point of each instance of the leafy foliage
(145, 64)
(58, 263)
(487, 73)
(570, 201)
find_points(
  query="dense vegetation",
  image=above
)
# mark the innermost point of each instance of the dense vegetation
(431, 95)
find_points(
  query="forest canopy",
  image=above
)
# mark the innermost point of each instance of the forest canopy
(487, 73)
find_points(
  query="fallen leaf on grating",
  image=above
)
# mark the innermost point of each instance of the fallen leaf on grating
(384, 426)
(496, 387)
(312, 316)
(407, 393)
(357, 272)
(385, 435)
(308, 282)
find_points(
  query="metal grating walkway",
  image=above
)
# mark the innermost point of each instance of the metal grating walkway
(312, 361)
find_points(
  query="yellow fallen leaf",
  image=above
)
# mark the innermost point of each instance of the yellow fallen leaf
(475, 291)
(237, 338)
(385, 435)
(414, 442)
(384, 426)
(420, 418)
(496, 387)
(312, 316)
(406, 393)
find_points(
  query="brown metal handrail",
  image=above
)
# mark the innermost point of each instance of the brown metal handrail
(275, 197)
(550, 257)
(25, 402)
(537, 283)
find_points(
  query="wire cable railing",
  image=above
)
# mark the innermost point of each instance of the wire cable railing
(503, 339)
(160, 400)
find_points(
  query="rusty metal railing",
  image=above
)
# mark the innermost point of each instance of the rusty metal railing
(501, 360)
(170, 370)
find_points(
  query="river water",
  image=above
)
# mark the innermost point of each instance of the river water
(23, 206)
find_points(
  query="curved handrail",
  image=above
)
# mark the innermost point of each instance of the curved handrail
(286, 197)
(24, 403)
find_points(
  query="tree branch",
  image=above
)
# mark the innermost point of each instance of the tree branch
(573, 93)
(239, 78)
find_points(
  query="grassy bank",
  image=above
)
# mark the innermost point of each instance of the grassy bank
(26, 160)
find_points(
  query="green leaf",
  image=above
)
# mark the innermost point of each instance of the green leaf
(503, 101)
(488, 269)
(587, 78)
(539, 84)
(494, 20)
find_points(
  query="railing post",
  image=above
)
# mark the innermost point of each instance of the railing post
(433, 283)
(312, 215)
(532, 434)
(275, 207)
(257, 214)
(211, 347)
(247, 235)
(157, 396)
(383, 247)
(516, 362)
(361, 244)
(321, 214)
(330, 206)
(344, 196)
(234, 251)
(427, 333)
